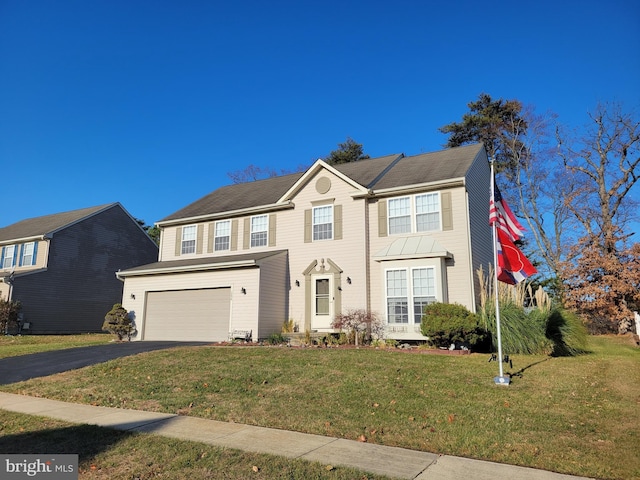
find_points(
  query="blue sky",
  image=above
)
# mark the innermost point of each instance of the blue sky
(152, 103)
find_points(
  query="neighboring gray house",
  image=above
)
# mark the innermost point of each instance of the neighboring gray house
(62, 267)
(388, 234)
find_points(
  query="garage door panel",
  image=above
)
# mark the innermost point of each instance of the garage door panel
(188, 315)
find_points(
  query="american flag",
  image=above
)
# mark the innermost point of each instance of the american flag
(501, 214)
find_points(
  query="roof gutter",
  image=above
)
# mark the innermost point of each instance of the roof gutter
(187, 268)
(228, 213)
(419, 187)
(33, 238)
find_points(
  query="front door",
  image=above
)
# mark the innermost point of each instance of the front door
(323, 301)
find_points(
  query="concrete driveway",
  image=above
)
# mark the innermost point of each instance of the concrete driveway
(24, 367)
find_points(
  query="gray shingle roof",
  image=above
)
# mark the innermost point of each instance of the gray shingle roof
(202, 262)
(374, 173)
(430, 167)
(32, 227)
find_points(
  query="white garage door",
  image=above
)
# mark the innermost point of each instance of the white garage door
(188, 315)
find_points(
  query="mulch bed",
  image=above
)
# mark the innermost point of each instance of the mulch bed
(424, 351)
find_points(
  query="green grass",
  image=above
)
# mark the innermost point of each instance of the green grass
(14, 345)
(575, 415)
(110, 454)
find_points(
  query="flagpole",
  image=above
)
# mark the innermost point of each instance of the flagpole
(501, 379)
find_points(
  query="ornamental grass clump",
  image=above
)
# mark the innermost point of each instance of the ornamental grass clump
(539, 328)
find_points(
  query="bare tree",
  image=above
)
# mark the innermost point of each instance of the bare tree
(601, 275)
(605, 164)
(251, 173)
(542, 185)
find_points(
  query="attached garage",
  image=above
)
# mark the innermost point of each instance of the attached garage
(206, 299)
(188, 315)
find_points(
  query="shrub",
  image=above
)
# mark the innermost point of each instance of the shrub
(360, 325)
(276, 339)
(450, 323)
(9, 311)
(118, 322)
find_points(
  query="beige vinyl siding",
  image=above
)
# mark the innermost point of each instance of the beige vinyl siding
(171, 243)
(244, 314)
(274, 288)
(455, 241)
(42, 251)
(4, 291)
(349, 252)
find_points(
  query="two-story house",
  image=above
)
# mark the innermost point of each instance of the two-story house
(62, 267)
(388, 235)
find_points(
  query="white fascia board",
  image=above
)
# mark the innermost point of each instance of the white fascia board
(24, 240)
(315, 168)
(228, 214)
(389, 192)
(189, 268)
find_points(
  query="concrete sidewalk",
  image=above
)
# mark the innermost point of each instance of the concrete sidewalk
(391, 461)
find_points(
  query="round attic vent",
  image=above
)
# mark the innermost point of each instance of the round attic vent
(323, 185)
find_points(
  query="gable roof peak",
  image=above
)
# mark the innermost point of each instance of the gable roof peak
(47, 225)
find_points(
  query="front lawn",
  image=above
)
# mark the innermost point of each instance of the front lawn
(14, 345)
(575, 415)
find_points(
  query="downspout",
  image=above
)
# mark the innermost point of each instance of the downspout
(367, 254)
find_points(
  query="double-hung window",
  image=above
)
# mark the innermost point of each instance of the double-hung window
(424, 290)
(412, 214)
(323, 222)
(427, 212)
(400, 215)
(222, 236)
(27, 254)
(397, 296)
(405, 287)
(188, 239)
(9, 254)
(259, 231)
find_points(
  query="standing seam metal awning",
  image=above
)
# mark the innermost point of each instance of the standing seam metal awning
(412, 247)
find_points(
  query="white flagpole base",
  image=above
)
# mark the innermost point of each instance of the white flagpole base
(502, 381)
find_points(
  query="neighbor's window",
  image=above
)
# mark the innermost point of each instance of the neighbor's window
(427, 212)
(259, 231)
(9, 252)
(222, 238)
(323, 222)
(399, 215)
(424, 290)
(189, 239)
(397, 301)
(27, 254)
